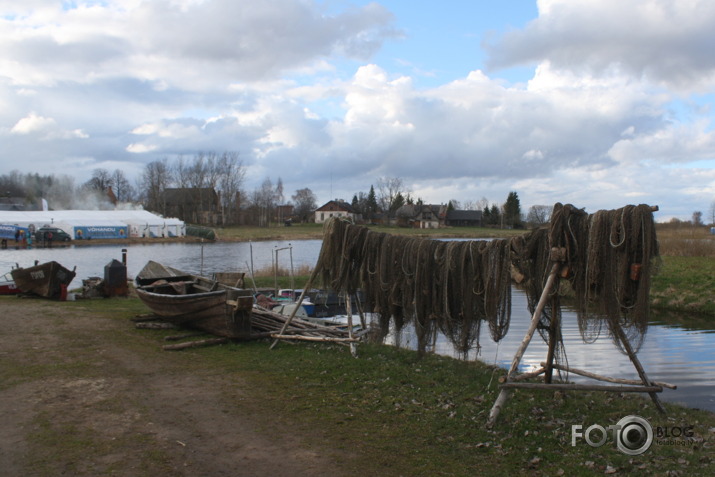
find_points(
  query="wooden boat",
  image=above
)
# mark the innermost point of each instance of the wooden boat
(154, 271)
(200, 303)
(49, 280)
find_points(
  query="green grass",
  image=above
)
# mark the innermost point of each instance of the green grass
(685, 284)
(427, 416)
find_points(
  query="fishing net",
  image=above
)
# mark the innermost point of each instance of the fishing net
(438, 286)
(453, 287)
(607, 259)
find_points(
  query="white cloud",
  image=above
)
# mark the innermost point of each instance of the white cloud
(33, 123)
(195, 45)
(668, 42)
(44, 128)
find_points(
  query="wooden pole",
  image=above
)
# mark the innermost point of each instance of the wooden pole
(618, 331)
(300, 302)
(607, 378)
(585, 387)
(195, 344)
(554, 338)
(323, 339)
(349, 310)
(504, 392)
(523, 376)
(363, 321)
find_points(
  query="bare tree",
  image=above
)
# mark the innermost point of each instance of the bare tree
(181, 172)
(305, 203)
(196, 173)
(712, 213)
(264, 200)
(388, 189)
(100, 181)
(538, 215)
(470, 205)
(212, 170)
(231, 176)
(154, 180)
(697, 218)
(123, 190)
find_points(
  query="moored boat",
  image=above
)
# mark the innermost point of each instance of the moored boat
(49, 280)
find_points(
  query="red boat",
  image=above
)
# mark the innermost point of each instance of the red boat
(7, 285)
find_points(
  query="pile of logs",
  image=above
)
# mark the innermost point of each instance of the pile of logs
(267, 321)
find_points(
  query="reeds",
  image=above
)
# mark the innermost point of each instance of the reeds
(685, 241)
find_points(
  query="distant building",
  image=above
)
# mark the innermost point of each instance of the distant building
(464, 218)
(199, 205)
(334, 208)
(421, 216)
(284, 212)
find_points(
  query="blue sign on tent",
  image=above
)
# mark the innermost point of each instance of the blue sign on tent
(12, 232)
(100, 232)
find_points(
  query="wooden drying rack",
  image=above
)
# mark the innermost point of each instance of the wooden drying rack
(514, 381)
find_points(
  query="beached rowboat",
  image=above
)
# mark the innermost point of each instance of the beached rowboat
(202, 304)
(49, 280)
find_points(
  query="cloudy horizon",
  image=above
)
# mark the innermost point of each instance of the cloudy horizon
(598, 103)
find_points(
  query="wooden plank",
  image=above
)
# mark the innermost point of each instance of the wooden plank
(584, 387)
(195, 344)
(314, 338)
(608, 379)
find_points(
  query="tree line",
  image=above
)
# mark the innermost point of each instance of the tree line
(225, 173)
(391, 194)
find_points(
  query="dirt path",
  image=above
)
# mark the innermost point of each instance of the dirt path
(73, 403)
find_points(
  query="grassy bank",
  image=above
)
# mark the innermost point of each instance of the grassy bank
(426, 416)
(685, 284)
(390, 413)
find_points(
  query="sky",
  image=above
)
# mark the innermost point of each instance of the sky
(597, 103)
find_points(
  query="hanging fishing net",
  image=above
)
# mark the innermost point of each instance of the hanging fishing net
(453, 287)
(435, 285)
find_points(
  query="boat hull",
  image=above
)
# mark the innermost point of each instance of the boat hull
(224, 312)
(49, 280)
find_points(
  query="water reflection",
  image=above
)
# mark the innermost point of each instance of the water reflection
(670, 353)
(678, 348)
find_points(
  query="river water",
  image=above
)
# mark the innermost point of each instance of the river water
(678, 349)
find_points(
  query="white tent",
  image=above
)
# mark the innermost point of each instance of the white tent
(104, 223)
